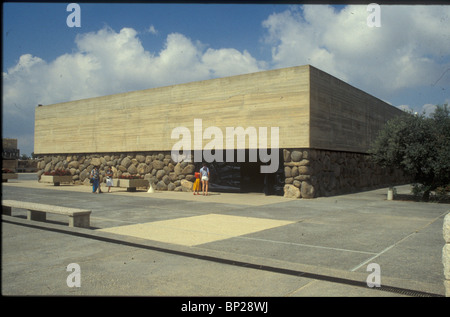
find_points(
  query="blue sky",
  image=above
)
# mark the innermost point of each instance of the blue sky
(125, 47)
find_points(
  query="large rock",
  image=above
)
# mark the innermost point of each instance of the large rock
(73, 164)
(59, 166)
(122, 168)
(296, 156)
(294, 171)
(140, 158)
(290, 191)
(307, 190)
(188, 170)
(286, 155)
(48, 167)
(143, 169)
(161, 186)
(95, 161)
(158, 165)
(160, 174)
(125, 162)
(177, 169)
(287, 171)
(304, 170)
(41, 165)
(186, 185)
(83, 175)
(132, 169)
(166, 179)
(304, 162)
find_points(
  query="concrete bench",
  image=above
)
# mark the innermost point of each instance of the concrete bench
(38, 212)
(130, 184)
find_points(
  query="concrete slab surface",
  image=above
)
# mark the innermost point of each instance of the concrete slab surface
(168, 244)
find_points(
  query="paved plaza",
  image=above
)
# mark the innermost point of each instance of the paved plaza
(167, 244)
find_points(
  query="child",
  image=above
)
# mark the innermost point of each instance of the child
(196, 187)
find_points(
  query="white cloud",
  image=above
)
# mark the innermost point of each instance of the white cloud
(426, 109)
(151, 29)
(227, 62)
(109, 62)
(411, 48)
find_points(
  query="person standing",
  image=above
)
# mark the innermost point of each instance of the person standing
(196, 187)
(95, 179)
(109, 178)
(204, 172)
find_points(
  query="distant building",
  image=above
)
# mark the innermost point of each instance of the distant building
(10, 154)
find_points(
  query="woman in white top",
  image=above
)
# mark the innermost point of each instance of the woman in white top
(204, 172)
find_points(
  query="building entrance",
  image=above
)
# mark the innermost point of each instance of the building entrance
(245, 177)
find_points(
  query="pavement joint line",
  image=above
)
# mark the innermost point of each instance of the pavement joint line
(285, 271)
(306, 245)
(396, 243)
(113, 220)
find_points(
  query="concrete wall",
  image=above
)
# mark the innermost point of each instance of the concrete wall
(344, 118)
(144, 120)
(311, 108)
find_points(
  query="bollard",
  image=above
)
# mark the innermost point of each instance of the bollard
(390, 194)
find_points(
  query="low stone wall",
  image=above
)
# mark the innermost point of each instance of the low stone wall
(308, 173)
(446, 254)
(158, 168)
(317, 173)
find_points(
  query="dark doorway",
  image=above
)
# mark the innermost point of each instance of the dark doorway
(245, 177)
(252, 180)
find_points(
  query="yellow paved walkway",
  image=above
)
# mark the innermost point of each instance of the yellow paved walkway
(191, 231)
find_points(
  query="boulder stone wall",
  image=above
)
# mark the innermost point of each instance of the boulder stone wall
(158, 168)
(308, 173)
(313, 173)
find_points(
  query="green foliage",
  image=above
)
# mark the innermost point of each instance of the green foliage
(418, 145)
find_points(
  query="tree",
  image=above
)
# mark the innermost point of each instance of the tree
(418, 145)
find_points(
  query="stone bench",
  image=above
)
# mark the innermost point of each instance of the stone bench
(130, 184)
(38, 212)
(56, 179)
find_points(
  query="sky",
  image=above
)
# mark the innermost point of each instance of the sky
(119, 47)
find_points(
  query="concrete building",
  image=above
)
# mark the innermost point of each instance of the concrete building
(316, 127)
